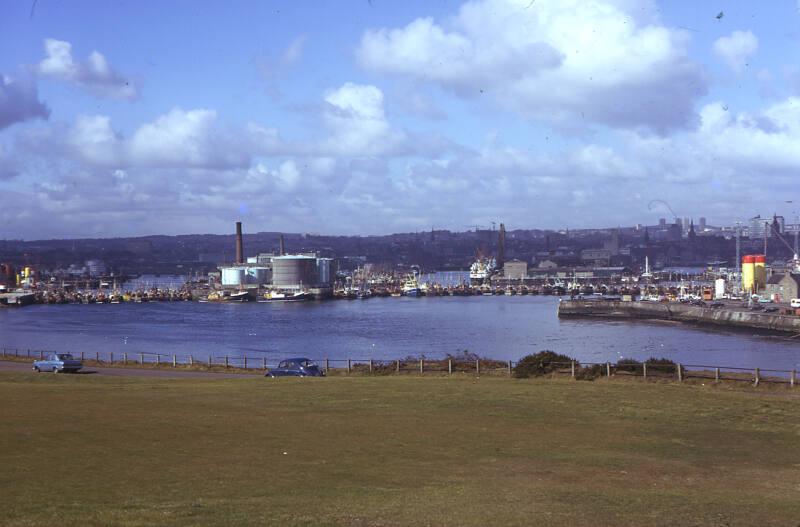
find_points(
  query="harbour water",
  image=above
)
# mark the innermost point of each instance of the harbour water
(500, 327)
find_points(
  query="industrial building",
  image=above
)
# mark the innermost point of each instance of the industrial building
(515, 270)
(279, 272)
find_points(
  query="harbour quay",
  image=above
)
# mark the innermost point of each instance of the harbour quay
(729, 314)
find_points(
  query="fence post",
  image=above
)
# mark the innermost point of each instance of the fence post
(370, 365)
(680, 372)
(141, 358)
(97, 356)
(4, 352)
(125, 358)
(81, 355)
(209, 360)
(174, 361)
(509, 368)
(608, 369)
(349, 366)
(29, 352)
(41, 354)
(191, 360)
(644, 370)
(757, 378)
(572, 368)
(477, 366)
(226, 361)
(398, 366)
(111, 357)
(158, 359)
(264, 364)
(793, 378)
(245, 362)
(327, 365)
(449, 366)
(716, 374)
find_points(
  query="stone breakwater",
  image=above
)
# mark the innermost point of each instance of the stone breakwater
(724, 316)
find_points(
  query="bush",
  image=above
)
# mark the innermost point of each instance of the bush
(541, 363)
(662, 365)
(631, 365)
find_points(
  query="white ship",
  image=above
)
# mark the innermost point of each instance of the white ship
(481, 270)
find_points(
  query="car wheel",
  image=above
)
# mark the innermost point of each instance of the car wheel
(55, 370)
(36, 369)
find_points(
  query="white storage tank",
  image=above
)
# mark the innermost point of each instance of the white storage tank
(233, 276)
(719, 288)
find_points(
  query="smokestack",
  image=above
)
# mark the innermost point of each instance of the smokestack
(239, 249)
(281, 247)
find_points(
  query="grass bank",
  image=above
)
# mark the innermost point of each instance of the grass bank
(88, 450)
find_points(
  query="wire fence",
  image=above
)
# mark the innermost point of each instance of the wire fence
(447, 366)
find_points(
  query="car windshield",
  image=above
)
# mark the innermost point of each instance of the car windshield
(64, 356)
(307, 363)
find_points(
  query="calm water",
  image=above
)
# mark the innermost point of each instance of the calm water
(494, 326)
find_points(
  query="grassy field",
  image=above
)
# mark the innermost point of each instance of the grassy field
(92, 450)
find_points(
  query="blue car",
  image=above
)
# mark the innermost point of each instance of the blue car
(297, 367)
(58, 363)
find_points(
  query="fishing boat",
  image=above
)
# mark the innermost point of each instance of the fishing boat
(481, 270)
(411, 286)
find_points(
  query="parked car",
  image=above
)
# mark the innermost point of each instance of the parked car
(297, 367)
(58, 363)
(771, 309)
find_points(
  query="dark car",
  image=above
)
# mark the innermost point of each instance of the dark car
(298, 367)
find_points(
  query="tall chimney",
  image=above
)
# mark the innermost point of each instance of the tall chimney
(239, 250)
(281, 247)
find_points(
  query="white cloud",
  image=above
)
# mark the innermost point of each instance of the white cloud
(94, 73)
(736, 49)
(604, 61)
(19, 101)
(355, 116)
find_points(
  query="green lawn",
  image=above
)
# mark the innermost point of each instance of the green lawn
(92, 450)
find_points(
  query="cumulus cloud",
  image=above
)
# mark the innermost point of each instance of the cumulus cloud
(354, 114)
(94, 73)
(604, 61)
(736, 49)
(19, 101)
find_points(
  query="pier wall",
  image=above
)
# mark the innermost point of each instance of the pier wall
(680, 312)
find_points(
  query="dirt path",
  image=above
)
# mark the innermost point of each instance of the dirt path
(129, 372)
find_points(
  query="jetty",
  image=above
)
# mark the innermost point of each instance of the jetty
(732, 316)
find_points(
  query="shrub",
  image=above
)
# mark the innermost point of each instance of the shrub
(631, 365)
(662, 365)
(541, 363)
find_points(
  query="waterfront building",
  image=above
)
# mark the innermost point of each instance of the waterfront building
(515, 269)
(782, 287)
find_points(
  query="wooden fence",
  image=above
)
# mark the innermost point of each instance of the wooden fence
(448, 366)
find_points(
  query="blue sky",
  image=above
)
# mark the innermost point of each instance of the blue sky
(134, 118)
